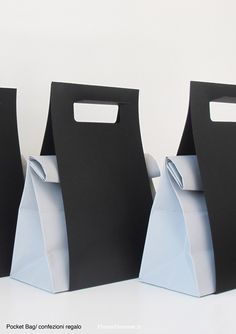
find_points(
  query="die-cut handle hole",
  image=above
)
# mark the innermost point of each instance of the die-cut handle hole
(95, 113)
(223, 109)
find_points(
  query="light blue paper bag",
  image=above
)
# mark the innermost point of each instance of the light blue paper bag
(178, 252)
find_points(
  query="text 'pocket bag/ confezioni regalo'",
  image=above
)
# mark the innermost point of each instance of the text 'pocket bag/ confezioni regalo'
(85, 207)
(190, 245)
(11, 177)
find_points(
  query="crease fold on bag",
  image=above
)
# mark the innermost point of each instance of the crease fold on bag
(178, 253)
(40, 256)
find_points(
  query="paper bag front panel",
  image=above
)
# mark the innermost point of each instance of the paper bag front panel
(11, 177)
(178, 251)
(105, 186)
(41, 250)
(213, 143)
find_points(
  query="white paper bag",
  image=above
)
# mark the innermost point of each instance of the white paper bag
(178, 252)
(40, 256)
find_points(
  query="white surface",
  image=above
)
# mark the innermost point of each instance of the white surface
(155, 45)
(130, 303)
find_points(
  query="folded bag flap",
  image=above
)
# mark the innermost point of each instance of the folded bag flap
(185, 171)
(45, 166)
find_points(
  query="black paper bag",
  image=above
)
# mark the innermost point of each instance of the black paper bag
(214, 145)
(105, 186)
(11, 177)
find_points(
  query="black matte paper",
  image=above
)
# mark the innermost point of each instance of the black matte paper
(214, 144)
(11, 177)
(104, 181)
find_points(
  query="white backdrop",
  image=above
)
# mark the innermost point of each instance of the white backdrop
(156, 46)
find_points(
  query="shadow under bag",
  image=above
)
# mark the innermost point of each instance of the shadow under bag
(104, 181)
(11, 177)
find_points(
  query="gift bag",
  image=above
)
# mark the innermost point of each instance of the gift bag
(212, 141)
(105, 189)
(178, 252)
(11, 177)
(41, 256)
